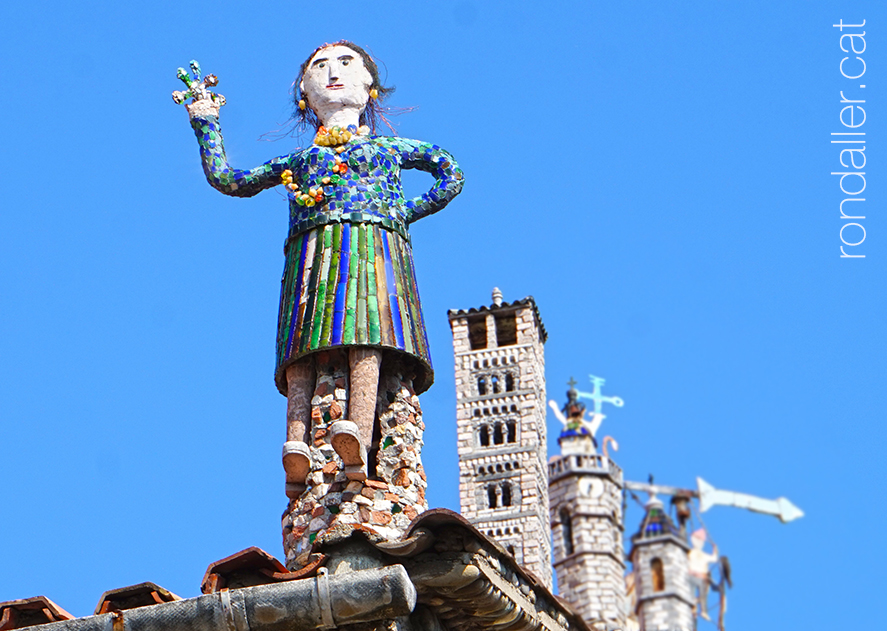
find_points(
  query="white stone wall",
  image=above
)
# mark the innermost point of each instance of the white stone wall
(524, 525)
(670, 609)
(586, 490)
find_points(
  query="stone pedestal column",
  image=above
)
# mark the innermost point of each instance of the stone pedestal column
(382, 506)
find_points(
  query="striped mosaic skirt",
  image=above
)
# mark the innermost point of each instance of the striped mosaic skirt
(350, 284)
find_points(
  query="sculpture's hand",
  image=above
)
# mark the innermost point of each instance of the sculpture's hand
(204, 103)
(204, 107)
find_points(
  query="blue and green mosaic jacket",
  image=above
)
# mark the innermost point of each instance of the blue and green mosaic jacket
(371, 191)
(348, 277)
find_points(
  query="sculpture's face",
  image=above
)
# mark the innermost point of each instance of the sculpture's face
(336, 77)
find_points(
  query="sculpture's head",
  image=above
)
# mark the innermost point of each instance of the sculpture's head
(337, 76)
(698, 538)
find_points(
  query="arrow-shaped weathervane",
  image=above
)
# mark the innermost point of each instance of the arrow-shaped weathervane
(710, 496)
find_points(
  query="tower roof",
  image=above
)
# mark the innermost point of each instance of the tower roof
(656, 523)
(499, 306)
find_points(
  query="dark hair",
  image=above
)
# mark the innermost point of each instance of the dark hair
(373, 112)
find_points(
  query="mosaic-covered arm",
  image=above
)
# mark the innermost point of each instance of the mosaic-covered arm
(220, 174)
(434, 160)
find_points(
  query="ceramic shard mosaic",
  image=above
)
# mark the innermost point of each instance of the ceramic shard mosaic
(359, 288)
(349, 275)
(380, 507)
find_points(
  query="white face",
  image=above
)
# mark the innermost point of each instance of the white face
(336, 78)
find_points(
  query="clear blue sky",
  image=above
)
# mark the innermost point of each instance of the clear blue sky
(655, 174)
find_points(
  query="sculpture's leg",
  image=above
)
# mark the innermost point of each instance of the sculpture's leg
(352, 439)
(300, 378)
(703, 597)
(365, 364)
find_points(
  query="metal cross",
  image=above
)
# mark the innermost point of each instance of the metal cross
(599, 399)
(572, 382)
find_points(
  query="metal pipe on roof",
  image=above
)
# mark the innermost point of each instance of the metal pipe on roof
(325, 602)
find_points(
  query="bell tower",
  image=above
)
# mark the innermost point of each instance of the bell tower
(500, 417)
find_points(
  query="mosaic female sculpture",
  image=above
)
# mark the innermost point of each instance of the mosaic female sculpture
(349, 297)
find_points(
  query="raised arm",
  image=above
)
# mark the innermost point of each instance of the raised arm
(220, 174)
(557, 413)
(203, 110)
(434, 160)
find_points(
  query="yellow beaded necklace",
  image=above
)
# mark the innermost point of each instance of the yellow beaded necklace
(337, 136)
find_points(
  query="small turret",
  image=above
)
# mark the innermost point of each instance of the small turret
(659, 558)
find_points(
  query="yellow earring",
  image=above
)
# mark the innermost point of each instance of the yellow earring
(374, 93)
(302, 104)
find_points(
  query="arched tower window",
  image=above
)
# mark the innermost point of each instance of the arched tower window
(497, 434)
(481, 385)
(658, 575)
(509, 382)
(512, 431)
(494, 380)
(491, 496)
(567, 531)
(506, 494)
(484, 436)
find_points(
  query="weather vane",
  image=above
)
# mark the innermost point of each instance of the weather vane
(599, 399)
(709, 496)
(572, 416)
(698, 560)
